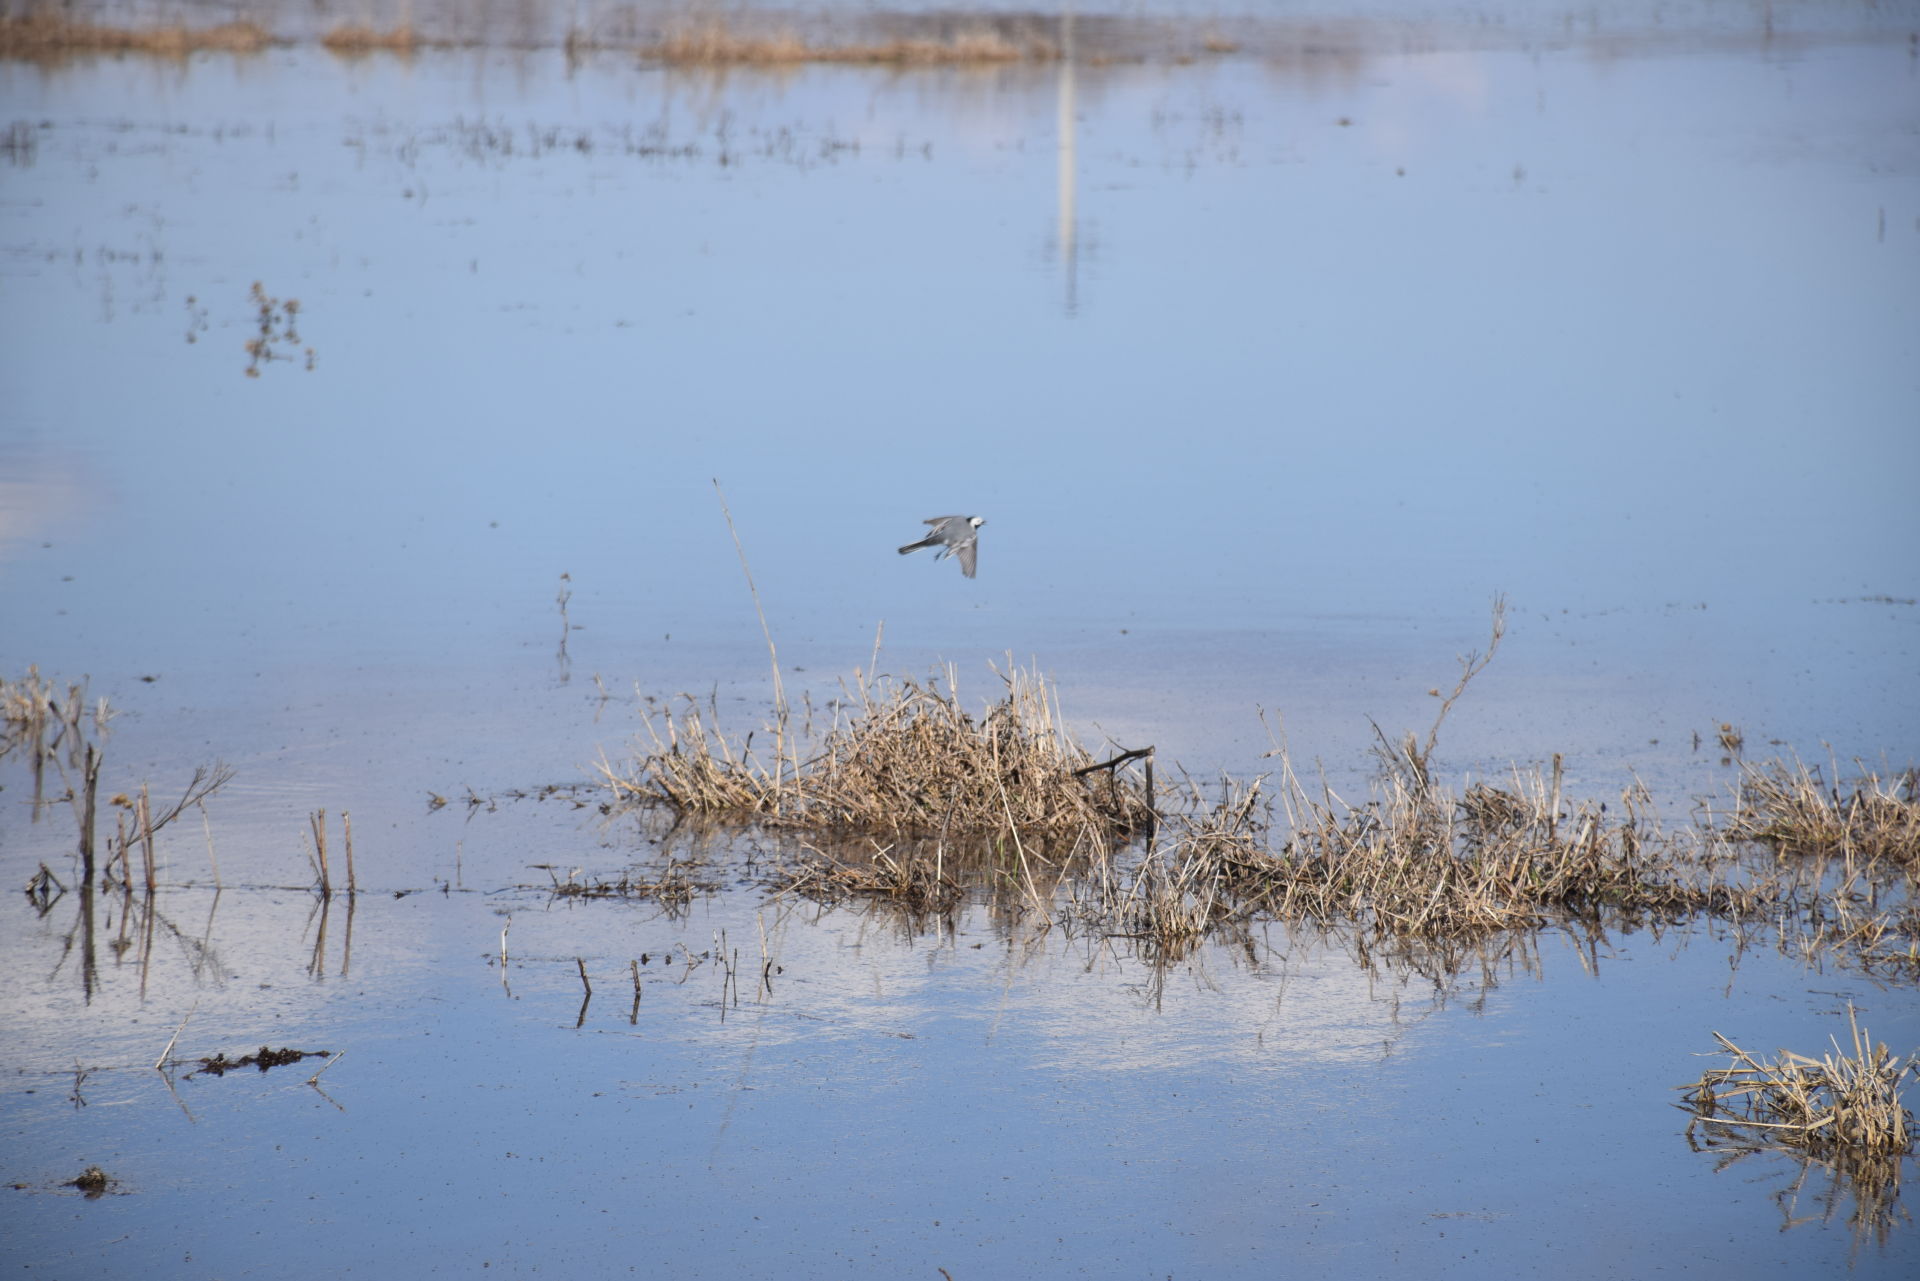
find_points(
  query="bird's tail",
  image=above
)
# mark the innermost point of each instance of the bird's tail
(914, 547)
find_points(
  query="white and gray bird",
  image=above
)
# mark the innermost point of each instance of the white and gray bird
(954, 536)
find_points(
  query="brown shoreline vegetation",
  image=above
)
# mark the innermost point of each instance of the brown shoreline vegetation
(900, 40)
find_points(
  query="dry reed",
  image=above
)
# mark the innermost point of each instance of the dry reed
(1181, 889)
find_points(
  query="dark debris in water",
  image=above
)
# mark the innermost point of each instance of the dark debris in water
(93, 1181)
(677, 884)
(265, 1058)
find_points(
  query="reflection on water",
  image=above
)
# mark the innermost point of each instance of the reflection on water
(1268, 369)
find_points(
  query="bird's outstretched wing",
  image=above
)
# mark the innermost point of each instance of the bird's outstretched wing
(937, 521)
(967, 551)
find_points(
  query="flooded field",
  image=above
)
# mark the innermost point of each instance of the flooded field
(391, 426)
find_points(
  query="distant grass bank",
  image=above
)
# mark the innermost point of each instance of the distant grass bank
(47, 35)
(693, 38)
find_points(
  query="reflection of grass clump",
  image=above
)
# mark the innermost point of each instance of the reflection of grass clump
(909, 760)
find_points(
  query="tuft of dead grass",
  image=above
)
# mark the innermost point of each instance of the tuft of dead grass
(901, 759)
(1841, 1102)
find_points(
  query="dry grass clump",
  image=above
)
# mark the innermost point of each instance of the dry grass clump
(1841, 1102)
(46, 34)
(908, 760)
(1793, 809)
(359, 39)
(718, 42)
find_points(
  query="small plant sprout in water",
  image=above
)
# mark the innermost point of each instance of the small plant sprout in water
(278, 333)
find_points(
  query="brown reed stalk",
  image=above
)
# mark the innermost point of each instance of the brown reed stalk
(212, 857)
(318, 822)
(144, 825)
(346, 824)
(90, 783)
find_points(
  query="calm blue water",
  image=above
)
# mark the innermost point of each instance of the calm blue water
(1265, 384)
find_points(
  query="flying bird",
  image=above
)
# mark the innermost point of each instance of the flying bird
(954, 536)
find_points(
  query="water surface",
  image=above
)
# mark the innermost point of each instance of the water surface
(1268, 371)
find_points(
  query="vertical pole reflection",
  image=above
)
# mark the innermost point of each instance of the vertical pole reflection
(1065, 232)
